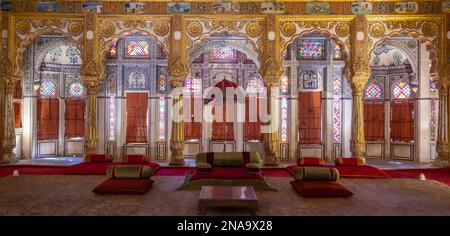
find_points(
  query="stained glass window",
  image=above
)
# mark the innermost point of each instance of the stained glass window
(373, 91)
(224, 54)
(112, 118)
(310, 50)
(284, 84)
(76, 89)
(433, 120)
(402, 90)
(337, 121)
(192, 85)
(337, 85)
(162, 118)
(337, 53)
(284, 120)
(255, 85)
(48, 88)
(137, 48)
(162, 79)
(113, 50)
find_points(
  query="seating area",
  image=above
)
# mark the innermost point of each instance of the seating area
(226, 168)
(97, 164)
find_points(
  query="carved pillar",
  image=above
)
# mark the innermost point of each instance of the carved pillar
(272, 74)
(178, 70)
(9, 134)
(442, 144)
(90, 79)
(361, 74)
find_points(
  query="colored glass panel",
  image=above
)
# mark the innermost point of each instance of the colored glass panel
(137, 48)
(113, 50)
(284, 120)
(162, 79)
(373, 91)
(402, 90)
(433, 120)
(192, 85)
(284, 84)
(162, 118)
(48, 88)
(255, 85)
(76, 89)
(312, 50)
(337, 53)
(112, 118)
(337, 85)
(224, 54)
(337, 121)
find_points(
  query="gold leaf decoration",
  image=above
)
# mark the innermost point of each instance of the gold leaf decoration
(75, 28)
(161, 28)
(342, 30)
(194, 29)
(288, 29)
(89, 68)
(107, 29)
(430, 29)
(272, 68)
(5, 65)
(377, 30)
(23, 27)
(253, 29)
(178, 68)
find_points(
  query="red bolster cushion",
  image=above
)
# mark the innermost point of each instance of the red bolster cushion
(310, 161)
(98, 158)
(350, 161)
(320, 189)
(135, 159)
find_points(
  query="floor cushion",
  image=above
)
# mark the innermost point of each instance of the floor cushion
(320, 189)
(204, 167)
(316, 174)
(227, 173)
(129, 171)
(310, 161)
(124, 186)
(350, 161)
(86, 168)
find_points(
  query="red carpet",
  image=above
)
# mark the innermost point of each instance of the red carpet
(173, 171)
(33, 170)
(354, 171)
(438, 174)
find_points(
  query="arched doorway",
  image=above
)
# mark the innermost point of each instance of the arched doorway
(52, 68)
(390, 110)
(222, 61)
(136, 86)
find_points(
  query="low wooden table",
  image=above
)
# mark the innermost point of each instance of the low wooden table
(227, 196)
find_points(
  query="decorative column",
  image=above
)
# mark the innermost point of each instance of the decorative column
(178, 70)
(361, 74)
(91, 82)
(272, 74)
(442, 144)
(7, 115)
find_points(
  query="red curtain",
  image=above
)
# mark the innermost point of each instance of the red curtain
(137, 117)
(402, 121)
(75, 118)
(252, 129)
(48, 118)
(222, 130)
(192, 129)
(17, 116)
(310, 116)
(374, 120)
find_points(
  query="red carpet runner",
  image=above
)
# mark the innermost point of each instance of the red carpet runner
(439, 174)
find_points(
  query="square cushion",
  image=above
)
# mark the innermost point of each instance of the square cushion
(350, 161)
(124, 186)
(135, 159)
(98, 158)
(310, 161)
(320, 189)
